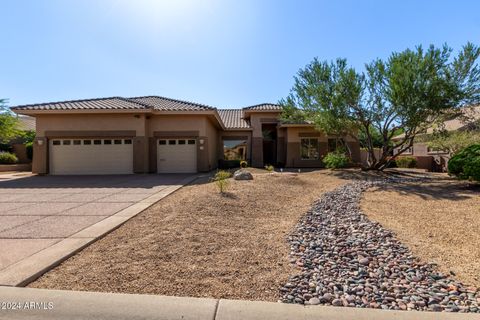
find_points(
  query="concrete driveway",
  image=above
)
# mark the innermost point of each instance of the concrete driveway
(37, 212)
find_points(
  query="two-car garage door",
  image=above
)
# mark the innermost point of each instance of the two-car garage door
(91, 156)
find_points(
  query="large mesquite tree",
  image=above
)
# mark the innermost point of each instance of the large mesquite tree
(408, 92)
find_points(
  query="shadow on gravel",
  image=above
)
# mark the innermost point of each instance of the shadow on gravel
(430, 186)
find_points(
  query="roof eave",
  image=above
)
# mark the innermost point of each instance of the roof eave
(293, 125)
(75, 111)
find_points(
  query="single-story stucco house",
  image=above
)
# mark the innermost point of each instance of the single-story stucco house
(156, 134)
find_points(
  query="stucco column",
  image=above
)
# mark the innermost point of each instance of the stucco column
(202, 154)
(257, 152)
(140, 154)
(40, 155)
(152, 154)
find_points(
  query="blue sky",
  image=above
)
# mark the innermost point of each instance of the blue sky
(218, 52)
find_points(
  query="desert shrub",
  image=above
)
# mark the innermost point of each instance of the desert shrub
(335, 160)
(465, 164)
(221, 180)
(406, 162)
(29, 150)
(8, 158)
(269, 168)
(243, 164)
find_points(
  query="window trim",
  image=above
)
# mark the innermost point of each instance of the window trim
(318, 149)
(242, 139)
(436, 151)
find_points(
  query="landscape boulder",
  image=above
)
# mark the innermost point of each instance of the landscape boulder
(242, 174)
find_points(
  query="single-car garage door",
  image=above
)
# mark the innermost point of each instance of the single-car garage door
(91, 156)
(176, 155)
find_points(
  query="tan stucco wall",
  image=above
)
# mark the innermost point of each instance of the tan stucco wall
(293, 139)
(212, 135)
(144, 127)
(90, 122)
(178, 123)
(256, 123)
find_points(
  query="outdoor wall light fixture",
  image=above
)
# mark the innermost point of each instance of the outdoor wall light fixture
(201, 141)
(40, 142)
(201, 147)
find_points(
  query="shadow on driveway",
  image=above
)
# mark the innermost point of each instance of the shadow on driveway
(144, 181)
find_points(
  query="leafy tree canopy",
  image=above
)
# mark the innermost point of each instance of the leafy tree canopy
(409, 91)
(8, 123)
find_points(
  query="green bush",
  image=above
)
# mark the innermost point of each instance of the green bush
(29, 150)
(335, 160)
(221, 180)
(5, 147)
(465, 164)
(8, 158)
(406, 162)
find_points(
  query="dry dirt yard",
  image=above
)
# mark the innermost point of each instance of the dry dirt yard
(438, 220)
(199, 243)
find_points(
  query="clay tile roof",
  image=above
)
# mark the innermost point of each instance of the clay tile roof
(168, 104)
(264, 107)
(112, 103)
(233, 119)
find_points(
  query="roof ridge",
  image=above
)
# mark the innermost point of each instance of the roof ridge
(136, 102)
(177, 100)
(261, 104)
(64, 101)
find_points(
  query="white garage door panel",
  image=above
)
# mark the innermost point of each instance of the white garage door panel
(71, 156)
(176, 156)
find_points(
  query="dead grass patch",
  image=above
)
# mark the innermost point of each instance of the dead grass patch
(197, 242)
(439, 220)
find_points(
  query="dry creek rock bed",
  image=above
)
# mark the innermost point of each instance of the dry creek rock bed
(347, 260)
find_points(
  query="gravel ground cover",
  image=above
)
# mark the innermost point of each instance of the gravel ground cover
(438, 219)
(197, 242)
(345, 259)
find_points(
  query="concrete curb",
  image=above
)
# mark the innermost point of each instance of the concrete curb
(25, 271)
(57, 304)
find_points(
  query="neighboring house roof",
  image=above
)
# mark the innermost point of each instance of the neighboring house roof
(472, 113)
(26, 123)
(264, 107)
(112, 103)
(459, 123)
(233, 119)
(168, 104)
